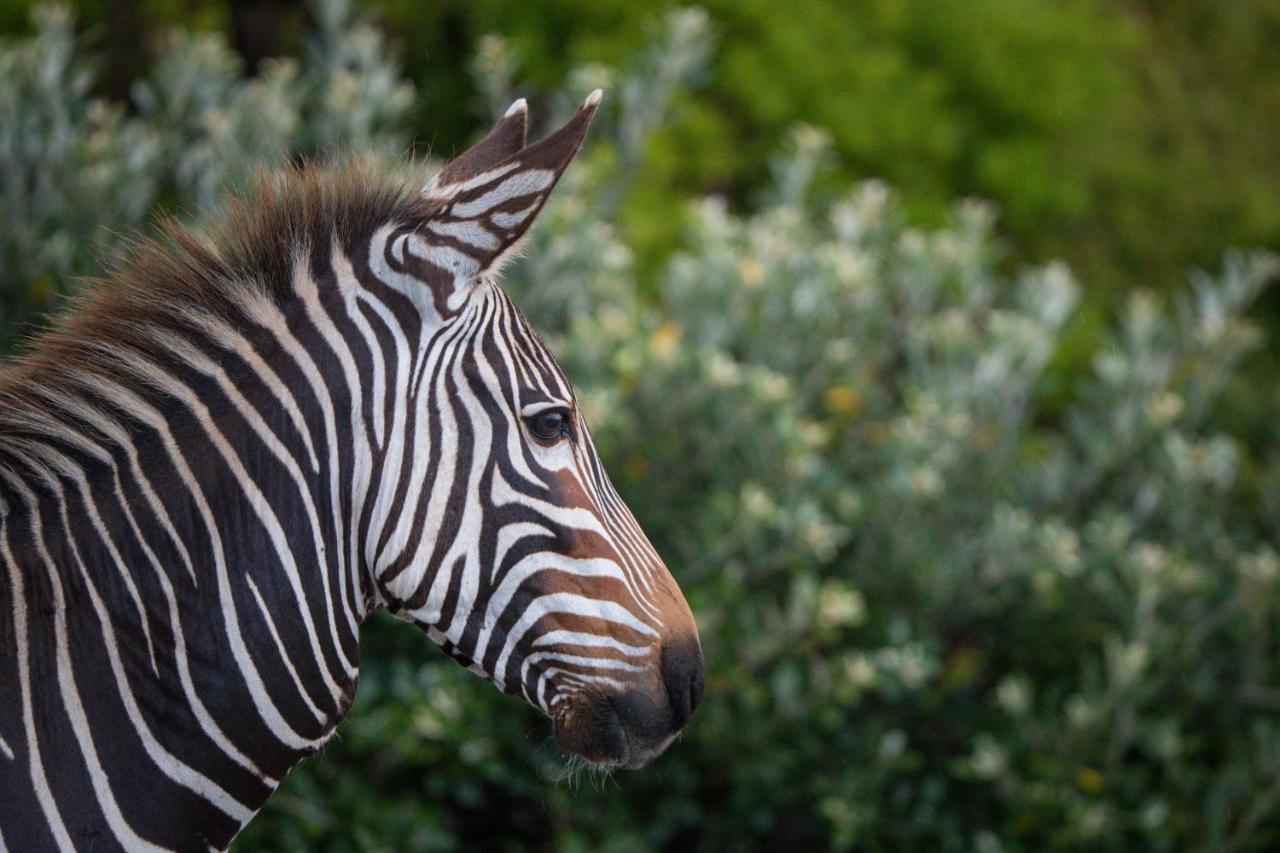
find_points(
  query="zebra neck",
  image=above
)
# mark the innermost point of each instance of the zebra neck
(179, 607)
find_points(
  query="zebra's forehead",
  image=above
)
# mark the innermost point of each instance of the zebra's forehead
(515, 344)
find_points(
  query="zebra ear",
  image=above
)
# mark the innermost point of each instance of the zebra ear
(506, 138)
(491, 194)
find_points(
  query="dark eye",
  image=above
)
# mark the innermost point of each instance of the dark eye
(550, 425)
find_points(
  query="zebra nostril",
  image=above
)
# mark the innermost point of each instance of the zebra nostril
(695, 691)
(682, 674)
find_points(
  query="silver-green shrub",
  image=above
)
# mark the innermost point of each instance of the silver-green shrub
(81, 175)
(952, 597)
(948, 605)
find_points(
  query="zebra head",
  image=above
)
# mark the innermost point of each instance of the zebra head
(494, 526)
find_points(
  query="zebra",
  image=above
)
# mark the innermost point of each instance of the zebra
(241, 443)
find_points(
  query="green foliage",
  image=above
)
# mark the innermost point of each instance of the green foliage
(77, 165)
(936, 613)
(1132, 138)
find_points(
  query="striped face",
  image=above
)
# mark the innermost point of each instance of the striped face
(495, 526)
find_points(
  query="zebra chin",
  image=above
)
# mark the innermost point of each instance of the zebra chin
(632, 727)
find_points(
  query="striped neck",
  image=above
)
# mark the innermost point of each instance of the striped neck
(181, 571)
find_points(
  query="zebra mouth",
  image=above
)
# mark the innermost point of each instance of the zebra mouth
(594, 734)
(626, 731)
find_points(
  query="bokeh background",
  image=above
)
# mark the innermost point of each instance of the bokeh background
(976, 501)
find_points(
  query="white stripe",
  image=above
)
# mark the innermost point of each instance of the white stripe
(421, 493)
(446, 191)
(580, 518)
(35, 763)
(510, 535)
(568, 660)
(262, 701)
(284, 653)
(169, 764)
(257, 501)
(568, 678)
(232, 340)
(395, 446)
(306, 288)
(528, 567)
(517, 186)
(349, 287)
(413, 289)
(515, 436)
(471, 526)
(73, 471)
(459, 265)
(71, 703)
(580, 638)
(511, 220)
(467, 231)
(200, 362)
(568, 603)
(112, 430)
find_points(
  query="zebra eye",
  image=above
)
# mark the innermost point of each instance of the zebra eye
(550, 424)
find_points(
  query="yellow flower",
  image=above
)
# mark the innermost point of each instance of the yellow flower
(752, 272)
(664, 339)
(1089, 780)
(842, 400)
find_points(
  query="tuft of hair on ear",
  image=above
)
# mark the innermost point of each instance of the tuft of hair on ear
(514, 252)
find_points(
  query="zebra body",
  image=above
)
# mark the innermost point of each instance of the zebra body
(228, 457)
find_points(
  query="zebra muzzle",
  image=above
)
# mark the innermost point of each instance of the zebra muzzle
(632, 727)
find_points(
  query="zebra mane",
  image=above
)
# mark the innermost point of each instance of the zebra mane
(164, 284)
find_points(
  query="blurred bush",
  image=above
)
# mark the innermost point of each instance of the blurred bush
(1132, 137)
(935, 615)
(81, 173)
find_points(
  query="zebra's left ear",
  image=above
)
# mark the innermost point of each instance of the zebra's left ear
(491, 194)
(506, 139)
